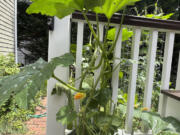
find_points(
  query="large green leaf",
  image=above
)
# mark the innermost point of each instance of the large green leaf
(159, 16)
(30, 80)
(21, 99)
(98, 99)
(50, 8)
(112, 6)
(66, 115)
(61, 8)
(158, 125)
(126, 34)
(90, 4)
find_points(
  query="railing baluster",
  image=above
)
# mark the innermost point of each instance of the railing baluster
(97, 72)
(116, 66)
(178, 75)
(59, 44)
(168, 53)
(79, 48)
(151, 58)
(133, 78)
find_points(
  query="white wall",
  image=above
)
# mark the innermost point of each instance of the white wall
(173, 108)
(7, 26)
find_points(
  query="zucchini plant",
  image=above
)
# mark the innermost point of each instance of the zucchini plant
(95, 116)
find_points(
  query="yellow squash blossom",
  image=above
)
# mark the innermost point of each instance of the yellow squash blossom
(79, 96)
(145, 109)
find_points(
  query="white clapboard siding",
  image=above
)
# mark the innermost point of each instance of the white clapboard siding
(7, 41)
(79, 49)
(116, 67)
(7, 26)
(168, 53)
(151, 58)
(97, 72)
(59, 44)
(6, 49)
(178, 76)
(5, 45)
(6, 37)
(8, 5)
(133, 78)
(6, 16)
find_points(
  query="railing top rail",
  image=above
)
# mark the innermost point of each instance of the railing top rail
(133, 21)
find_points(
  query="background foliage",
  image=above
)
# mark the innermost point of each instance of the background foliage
(32, 34)
(148, 9)
(13, 117)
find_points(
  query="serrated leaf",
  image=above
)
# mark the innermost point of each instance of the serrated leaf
(90, 4)
(52, 8)
(66, 115)
(31, 79)
(112, 6)
(102, 100)
(155, 122)
(21, 99)
(159, 16)
(61, 8)
(126, 34)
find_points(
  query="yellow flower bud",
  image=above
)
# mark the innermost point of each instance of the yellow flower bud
(79, 96)
(145, 109)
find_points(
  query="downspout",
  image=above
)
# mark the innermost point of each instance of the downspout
(15, 31)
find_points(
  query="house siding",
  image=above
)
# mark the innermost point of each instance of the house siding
(7, 26)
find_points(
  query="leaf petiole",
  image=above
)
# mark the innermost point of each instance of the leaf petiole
(69, 86)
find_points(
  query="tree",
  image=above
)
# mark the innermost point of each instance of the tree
(32, 34)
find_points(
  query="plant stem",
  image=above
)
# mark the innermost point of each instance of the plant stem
(108, 25)
(89, 24)
(67, 85)
(93, 32)
(99, 77)
(120, 27)
(87, 70)
(97, 20)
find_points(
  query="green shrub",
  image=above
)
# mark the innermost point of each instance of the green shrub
(12, 117)
(7, 65)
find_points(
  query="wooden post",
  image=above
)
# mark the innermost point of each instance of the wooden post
(59, 44)
(116, 67)
(79, 48)
(133, 78)
(97, 72)
(151, 59)
(168, 53)
(178, 76)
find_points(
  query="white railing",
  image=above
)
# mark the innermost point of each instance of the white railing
(59, 44)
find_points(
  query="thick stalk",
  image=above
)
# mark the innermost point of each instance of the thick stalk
(94, 33)
(119, 30)
(100, 76)
(90, 26)
(97, 20)
(108, 25)
(87, 70)
(67, 85)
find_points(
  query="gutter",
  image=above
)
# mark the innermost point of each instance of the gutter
(15, 31)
